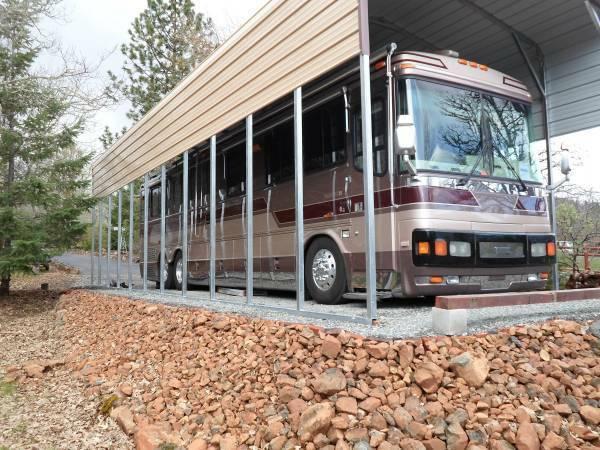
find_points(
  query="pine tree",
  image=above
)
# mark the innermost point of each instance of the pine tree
(42, 189)
(167, 41)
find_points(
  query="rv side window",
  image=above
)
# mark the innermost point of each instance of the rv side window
(203, 183)
(324, 136)
(278, 145)
(235, 170)
(154, 202)
(378, 118)
(174, 192)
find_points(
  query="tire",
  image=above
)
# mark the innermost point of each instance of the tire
(325, 272)
(169, 275)
(177, 271)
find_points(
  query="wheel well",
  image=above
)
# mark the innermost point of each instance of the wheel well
(308, 243)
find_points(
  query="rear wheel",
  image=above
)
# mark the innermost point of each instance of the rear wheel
(324, 272)
(168, 274)
(178, 268)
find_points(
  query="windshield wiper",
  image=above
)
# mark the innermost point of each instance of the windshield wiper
(464, 181)
(512, 169)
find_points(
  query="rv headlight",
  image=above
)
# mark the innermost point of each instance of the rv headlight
(538, 249)
(460, 249)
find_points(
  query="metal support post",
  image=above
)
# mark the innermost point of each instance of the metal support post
(249, 211)
(93, 249)
(369, 207)
(184, 233)
(213, 213)
(131, 223)
(163, 212)
(145, 245)
(541, 81)
(119, 234)
(299, 191)
(100, 243)
(108, 243)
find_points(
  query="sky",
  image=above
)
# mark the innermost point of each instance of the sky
(95, 29)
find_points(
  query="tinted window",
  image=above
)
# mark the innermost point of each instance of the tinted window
(174, 192)
(235, 170)
(324, 135)
(155, 202)
(378, 120)
(278, 147)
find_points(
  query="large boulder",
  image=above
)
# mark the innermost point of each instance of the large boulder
(330, 382)
(471, 369)
(429, 377)
(315, 419)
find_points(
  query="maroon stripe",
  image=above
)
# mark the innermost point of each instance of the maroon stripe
(382, 199)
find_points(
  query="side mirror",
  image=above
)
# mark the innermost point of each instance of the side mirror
(406, 136)
(565, 163)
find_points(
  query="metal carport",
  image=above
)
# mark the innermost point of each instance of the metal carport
(288, 43)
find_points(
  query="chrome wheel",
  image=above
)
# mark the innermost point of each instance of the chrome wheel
(323, 269)
(179, 271)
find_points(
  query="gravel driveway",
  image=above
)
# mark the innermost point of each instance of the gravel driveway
(396, 318)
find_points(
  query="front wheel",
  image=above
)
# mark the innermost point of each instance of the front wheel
(324, 272)
(178, 275)
(168, 274)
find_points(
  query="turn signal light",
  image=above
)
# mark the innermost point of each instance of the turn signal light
(544, 276)
(436, 280)
(551, 249)
(423, 248)
(441, 247)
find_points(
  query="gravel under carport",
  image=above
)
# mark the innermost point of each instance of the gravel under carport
(397, 318)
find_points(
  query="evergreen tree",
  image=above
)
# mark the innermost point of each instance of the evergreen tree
(42, 190)
(167, 41)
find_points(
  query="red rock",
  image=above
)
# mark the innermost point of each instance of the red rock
(277, 443)
(402, 418)
(150, 437)
(406, 354)
(563, 409)
(331, 347)
(435, 444)
(429, 377)
(554, 442)
(378, 350)
(330, 382)
(411, 444)
(124, 418)
(126, 389)
(370, 404)
(379, 369)
(228, 443)
(357, 435)
(471, 369)
(288, 393)
(417, 430)
(527, 437)
(347, 405)
(456, 438)
(175, 383)
(33, 370)
(590, 414)
(315, 419)
(296, 405)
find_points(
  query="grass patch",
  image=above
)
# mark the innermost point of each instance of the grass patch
(6, 390)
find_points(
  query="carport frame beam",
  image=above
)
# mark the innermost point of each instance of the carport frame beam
(213, 213)
(119, 233)
(249, 210)
(131, 223)
(184, 233)
(108, 243)
(299, 198)
(145, 244)
(163, 213)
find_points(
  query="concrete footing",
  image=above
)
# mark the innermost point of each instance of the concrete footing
(449, 322)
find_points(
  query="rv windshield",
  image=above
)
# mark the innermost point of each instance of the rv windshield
(465, 131)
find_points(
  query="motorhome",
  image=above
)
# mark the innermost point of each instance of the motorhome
(458, 194)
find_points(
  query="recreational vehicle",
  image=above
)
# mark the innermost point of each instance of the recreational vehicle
(459, 200)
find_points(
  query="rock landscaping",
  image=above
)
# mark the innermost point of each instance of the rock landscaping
(187, 378)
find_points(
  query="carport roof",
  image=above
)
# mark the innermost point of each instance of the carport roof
(560, 33)
(288, 43)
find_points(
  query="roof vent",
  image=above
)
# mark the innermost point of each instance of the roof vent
(450, 53)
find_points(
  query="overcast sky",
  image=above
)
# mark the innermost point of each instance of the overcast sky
(94, 29)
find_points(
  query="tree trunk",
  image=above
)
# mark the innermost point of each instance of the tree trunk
(4, 286)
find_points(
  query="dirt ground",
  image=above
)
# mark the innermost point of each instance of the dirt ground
(50, 412)
(185, 378)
